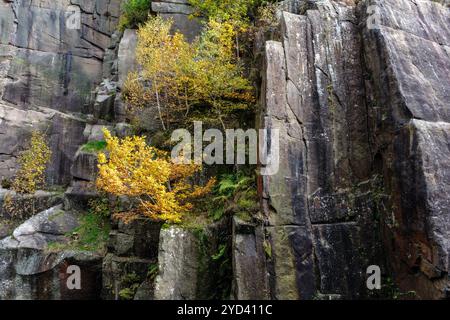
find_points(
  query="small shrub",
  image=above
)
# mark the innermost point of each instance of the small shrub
(160, 189)
(33, 163)
(30, 176)
(134, 13)
(6, 183)
(182, 81)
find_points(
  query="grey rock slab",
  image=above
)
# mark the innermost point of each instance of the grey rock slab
(178, 264)
(127, 56)
(172, 7)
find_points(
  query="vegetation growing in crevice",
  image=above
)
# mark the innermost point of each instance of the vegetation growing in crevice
(236, 194)
(214, 261)
(134, 13)
(94, 146)
(206, 80)
(93, 231)
(30, 177)
(131, 282)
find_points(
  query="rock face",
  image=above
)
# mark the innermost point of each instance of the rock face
(249, 263)
(179, 264)
(193, 264)
(29, 271)
(409, 64)
(363, 148)
(53, 58)
(61, 66)
(132, 256)
(51, 55)
(359, 92)
(179, 11)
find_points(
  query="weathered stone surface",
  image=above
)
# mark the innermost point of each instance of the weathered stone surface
(29, 271)
(122, 276)
(285, 186)
(178, 264)
(139, 238)
(313, 91)
(95, 132)
(249, 265)
(123, 130)
(422, 181)
(14, 130)
(85, 166)
(45, 227)
(29, 274)
(132, 254)
(145, 291)
(408, 64)
(127, 55)
(170, 7)
(187, 270)
(291, 264)
(339, 266)
(60, 81)
(79, 194)
(49, 69)
(189, 27)
(65, 138)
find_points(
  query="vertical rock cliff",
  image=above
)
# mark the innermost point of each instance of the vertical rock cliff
(49, 70)
(360, 92)
(360, 95)
(51, 62)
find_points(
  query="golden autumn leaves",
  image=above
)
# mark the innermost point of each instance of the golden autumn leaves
(30, 176)
(161, 188)
(177, 76)
(33, 163)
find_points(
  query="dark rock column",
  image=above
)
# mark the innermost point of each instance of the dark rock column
(406, 49)
(319, 206)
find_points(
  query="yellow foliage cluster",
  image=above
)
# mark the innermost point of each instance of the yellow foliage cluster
(30, 176)
(178, 75)
(161, 188)
(225, 10)
(33, 163)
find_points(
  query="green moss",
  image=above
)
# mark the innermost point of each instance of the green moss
(57, 214)
(267, 249)
(132, 282)
(94, 146)
(91, 235)
(390, 291)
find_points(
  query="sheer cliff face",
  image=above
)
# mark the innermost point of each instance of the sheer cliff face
(408, 59)
(49, 67)
(363, 112)
(360, 94)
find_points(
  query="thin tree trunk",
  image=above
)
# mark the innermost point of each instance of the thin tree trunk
(186, 101)
(158, 104)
